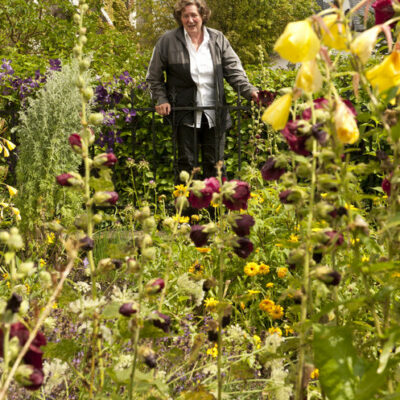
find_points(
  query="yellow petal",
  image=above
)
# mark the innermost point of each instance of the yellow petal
(11, 190)
(10, 145)
(309, 78)
(6, 152)
(337, 39)
(364, 43)
(345, 124)
(387, 74)
(277, 113)
(298, 42)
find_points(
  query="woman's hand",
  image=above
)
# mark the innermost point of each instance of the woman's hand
(163, 109)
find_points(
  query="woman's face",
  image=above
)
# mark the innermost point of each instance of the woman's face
(191, 19)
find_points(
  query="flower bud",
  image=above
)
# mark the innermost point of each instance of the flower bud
(105, 198)
(97, 218)
(181, 203)
(359, 225)
(323, 209)
(72, 179)
(212, 330)
(14, 303)
(29, 377)
(198, 235)
(79, 82)
(104, 160)
(26, 268)
(15, 241)
(290, 196)
(45, 279)
(82, 31)
(4, 236)
(161, 321)
(81, 221)
(96, 119)
(132, 265)
(77, 50)
(149, 357)
(327, 275)
(149, 224)
(167, 222)
(155, 286)
(77, 18)
(209, 284)
(149, 253)
(184, 176)
(243, 247)
(84, 7)
(241, 223)
(296, 257)
(127, 309)
(107, 264)
(76, 143)
(86, 243)
(87, 93)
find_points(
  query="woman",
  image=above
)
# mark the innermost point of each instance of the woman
(196, 59)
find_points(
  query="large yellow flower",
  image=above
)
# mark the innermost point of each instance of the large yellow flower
(345, 124)
(364, 43)
(336, 38)
(277, 113)
(387, 74)
(309, 78)
(298, 42)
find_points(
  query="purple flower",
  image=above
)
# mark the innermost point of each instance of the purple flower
(155, 286)
(295, 140)
(105, 160)
(162, 321)
(204, 200)
(104, 198)
(55, 64)
(242, 224)
(238, 200)
(6, 66)
(197, 235)
(130, 114)
(386, 186)
(101, 95)
(36, 379)
(75, 141)
(383, 11)
(271, 173)
(243, 247)
(116, 97)
(65, 179)
(318, 103)
(126, 78)
(127, 309)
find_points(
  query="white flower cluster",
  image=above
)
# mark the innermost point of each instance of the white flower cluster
(85, 307)
(191, 288)
(55, 372)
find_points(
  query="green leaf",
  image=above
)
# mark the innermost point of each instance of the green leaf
(151, 331)
(111, 311)
(103, 182)
(64, 350)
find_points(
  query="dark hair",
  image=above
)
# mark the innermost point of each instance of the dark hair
(201, 5)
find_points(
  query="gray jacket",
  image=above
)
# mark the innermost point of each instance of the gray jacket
(171, 55)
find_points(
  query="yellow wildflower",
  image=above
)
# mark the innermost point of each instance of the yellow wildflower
(195, 218)
(277, 113)
(315, 374)
(336, 38)
(251, 269)
(181, 219)
(10, 145)
(5, 276)
(252, 292)
(211, 303)
(17, 213)
(276, 312)
(293, 238)
(364, 259)
(213, 351)
(354, 241)
(50, 238)
(196, 268)
(263, 269)
(180, 190)
(269, 285)
(282, 272)
(203, 249)
(395, 275)
(42, 262)
(288, 330)
(274, 330)
(242, 305)
(278, 208)
(298, 42)
(11, 190)
(364, 43)
(278, 244)
(28, 288)
(345, 124)
(257, 341)
(309, 78)
(266, 305)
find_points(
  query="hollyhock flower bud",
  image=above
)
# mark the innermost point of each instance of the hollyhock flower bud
(364, 43)
(309, 77)
(319, 133)
(107, 264)
(290, 196)
(197, 235)
(86, 243)
(161, 321)
(70, 179)
(184, 176)
(277, 113)
(14, 303)
(209, 284)
(334, 237)
(323, 209)
(155, 286)
(29, 377)
(226, 318)
(149, 253)
(345, 124)
(329, 276)
(127, 309)
(337, 36)
(241, 224)
(265, 98)
(132, 265)
(76, 142)
(386, 186)
(87, 93)
(104, 160)
(270, 171)
(298, 42)
(359, 225)
(181, 203)
(383, 11)
(105, 198)
(96, 119)
(243, 247)
(81, 221)
(202, 198)
(297, 257)
(212, 330)
(149, 356)
(237, 200)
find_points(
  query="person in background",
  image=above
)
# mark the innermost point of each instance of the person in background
(195, 60)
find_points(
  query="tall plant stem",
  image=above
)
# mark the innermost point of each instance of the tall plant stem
(220, 298)
(306, 298)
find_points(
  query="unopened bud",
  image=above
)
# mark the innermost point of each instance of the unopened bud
(128, 309)
(149, 224)
(181, 203)
(96, 119)
(132, 265)
(97, 218)
(45, 279)
(155, 286)
(87, 93)
(149, 253)
(184, 176)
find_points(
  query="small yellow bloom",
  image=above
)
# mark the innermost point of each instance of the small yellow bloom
(288, 330)
(28, 288)
(298, 42)
(364, 259)
(315, 374)
(336, 39)
(213, 351)
(386, 75)
(282, 272)
(293, 238)
(278, 244)
(354, 241)
(11, 190)
(17, 213)
(203, 249)
(395, 275)
(196, 268)
(276, 312)
(211, 303)
(5, 276)
(181, 219)
(242, 305)
(252, 292)
(54, 306)
(10, 145)
(277, 114)
(42, 262)
(180, 190)
(345, 124)
(266, 305)
(195, 218)
(309, 78)
(269, 285)
(257, 341)
(263, 269)
(251, 269)
(50, 237)
(364, 43)
(274, 330)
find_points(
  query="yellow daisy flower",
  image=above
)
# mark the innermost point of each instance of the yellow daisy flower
(251, 269)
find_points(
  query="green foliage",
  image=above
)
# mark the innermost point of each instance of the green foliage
(44, 151)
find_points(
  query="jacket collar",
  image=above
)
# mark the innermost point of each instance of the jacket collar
(180, 34)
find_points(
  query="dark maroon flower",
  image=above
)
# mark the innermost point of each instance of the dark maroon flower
(284, 196)
(243, 247)
(86, 243)
(150, 360)
(127, 309)
(76, 142)
(197, 235)
(386, 186)
(162, 321)
(204, 200)
(65, 179)
(383, 11)
(338, 212)
(29, 377)
(155, 286)
(105, 160)
(271, 173)
(265, 98)
(295, 140)
(242, 224)
(238, 200)
(335, 238)
(329, 277)
(14, 303)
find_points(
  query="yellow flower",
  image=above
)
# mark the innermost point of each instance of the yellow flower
(298, 42)
(266, 305)
(195, 218)
(395, 275)
(5, 276)
(293, 238)
(251, 292)
(211, 303)
(288, 330)
(354, 241)
(282, 272)
(42, 262)
(263, 269)
(11, 190)
(203, 249)
(364, 259)
(213, 351)
(50, 238)
(345, 124)
(17, 213)
(278, 244)
(196, 268)
(242, 305)
(251, 269)
(180, 190)
(278, 208)
(277, 113)
(364, 43)
(257, 341)
(336, 38)
(10, 145)
(309, 78)
(269, 285)
(315, 374)
(276, 330)
(276, 312)
(181, 220)
(387, 74)
(28, 288)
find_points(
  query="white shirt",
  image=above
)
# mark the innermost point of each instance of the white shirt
(202, 72)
